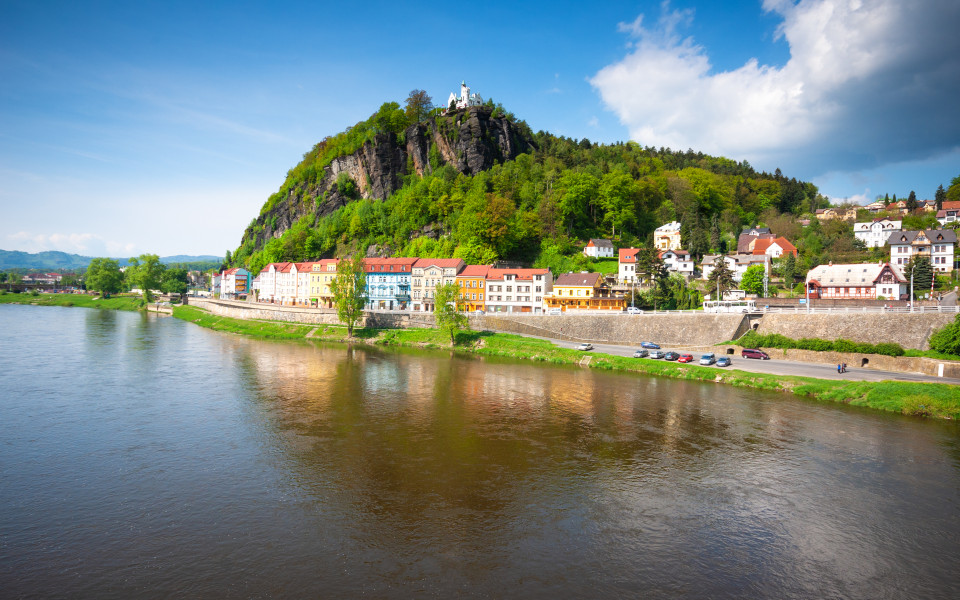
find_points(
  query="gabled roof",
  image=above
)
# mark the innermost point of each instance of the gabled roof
(851, 275)
(754, 231)
(577, 280)
(679, 253)
(761, 245)
(389, 265)
(474, 271)
(941, 236)
(600, 243)
(942, 213)
(671, 227)
(951, 205)
(628, 255)
(745, 239)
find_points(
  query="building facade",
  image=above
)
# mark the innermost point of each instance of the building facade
(428, 274)
(472, 282)
(583, 292)
(322, 274)
(517, 290)
(598, 248)
(667, 237)
(936, 244)
(627, 265)
(876, 233)
(234, 284)
(389, 283)
(874, 281)
(678, 261)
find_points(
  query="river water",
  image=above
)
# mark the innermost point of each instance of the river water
(145, 457)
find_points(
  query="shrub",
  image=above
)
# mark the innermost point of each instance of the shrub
(947, 338)
(889, 349)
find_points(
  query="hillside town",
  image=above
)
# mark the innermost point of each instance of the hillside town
(409, 284)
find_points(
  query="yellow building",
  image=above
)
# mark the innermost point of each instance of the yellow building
(321, 276)
(583, 292)
(471, 281)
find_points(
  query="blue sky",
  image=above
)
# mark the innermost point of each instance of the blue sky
(129, 127)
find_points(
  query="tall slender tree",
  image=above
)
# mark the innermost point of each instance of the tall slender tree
(349, 290)
(449, 318)
(721, 278)
(940, 196)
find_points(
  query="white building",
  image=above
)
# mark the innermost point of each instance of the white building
(876, 233)
(466, 99)
(936, 244)
(737, 263)
(234, 283)
(667, 237)
(430, 273)
(215, 285)
(678, 261)
(517, 290)
(857, 282)
(627, 265)
(598, 249)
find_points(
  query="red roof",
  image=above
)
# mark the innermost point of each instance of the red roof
(628, 255)
(443, 263)
(522, 274)
(474, 271)
(389, 265)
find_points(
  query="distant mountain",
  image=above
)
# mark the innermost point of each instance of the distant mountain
(55, 261)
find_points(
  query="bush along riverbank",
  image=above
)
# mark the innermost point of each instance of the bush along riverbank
(752, 339)
(81, 300)
(936, 400)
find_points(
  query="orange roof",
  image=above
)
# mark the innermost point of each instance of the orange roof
(760, 246)
(522, 274)
(474, 271)
(389, 265)
(628, 255)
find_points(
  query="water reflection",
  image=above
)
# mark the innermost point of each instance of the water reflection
(476, 466)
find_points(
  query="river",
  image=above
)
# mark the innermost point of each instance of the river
(146, 457)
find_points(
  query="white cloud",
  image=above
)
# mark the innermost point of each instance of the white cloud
(867, 83)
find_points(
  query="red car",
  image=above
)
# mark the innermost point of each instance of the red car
(685, 358)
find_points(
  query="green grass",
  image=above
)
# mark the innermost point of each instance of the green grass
(81, 300)
(937, 400)
(931, 354)
(606, 266)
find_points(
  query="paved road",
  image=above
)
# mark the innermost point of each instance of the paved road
(784, 367)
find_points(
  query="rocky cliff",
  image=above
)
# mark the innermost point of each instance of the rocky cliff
(470, 140)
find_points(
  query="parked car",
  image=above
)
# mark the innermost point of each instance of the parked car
(708, 359)
(685, 358)
(754, 353)
(671, 356)
(649, 345)
(641, 353)
(723, 361)
(655, 354)
(585, 346)
(633, 310)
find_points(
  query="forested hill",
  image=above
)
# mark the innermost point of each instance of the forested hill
(477, 184)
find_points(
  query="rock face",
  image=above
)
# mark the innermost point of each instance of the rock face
(470, 140)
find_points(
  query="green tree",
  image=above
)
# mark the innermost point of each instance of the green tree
(947, 338)
(721, 278)
(449, 318)
(349, 290)
(752, 281)
(953, 192)
(418, 106)
(922, 271)
(389, 118)
(145, 272)
(940, 196)
(912, 201)
(788, 269)
(104, 276)
(174, 281)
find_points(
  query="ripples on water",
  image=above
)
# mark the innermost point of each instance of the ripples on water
(147, 457)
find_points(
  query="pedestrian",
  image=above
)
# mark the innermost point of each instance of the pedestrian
(839, 367)
(844, 367)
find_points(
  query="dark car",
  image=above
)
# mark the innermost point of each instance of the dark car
(723, 361)
(641, 354)
(671, 356)
(649, 345)
(754, 353)
(685, 358)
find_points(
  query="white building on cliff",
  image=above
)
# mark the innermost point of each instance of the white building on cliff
(466, 98)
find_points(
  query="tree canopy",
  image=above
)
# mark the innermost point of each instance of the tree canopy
(104, 276)
(146, 273)
(447, 313)
(349, 289)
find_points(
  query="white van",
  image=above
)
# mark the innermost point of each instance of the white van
(555, 311)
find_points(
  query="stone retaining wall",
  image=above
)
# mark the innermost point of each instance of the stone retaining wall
(910, 330)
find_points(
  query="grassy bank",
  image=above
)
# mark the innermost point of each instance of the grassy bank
(82, 300)
(923, 399)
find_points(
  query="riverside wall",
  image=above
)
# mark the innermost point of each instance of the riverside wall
(910, 330)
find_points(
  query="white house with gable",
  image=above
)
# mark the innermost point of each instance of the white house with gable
(466, 99)
(876, 233)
